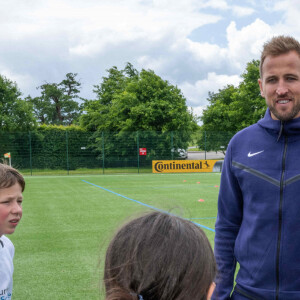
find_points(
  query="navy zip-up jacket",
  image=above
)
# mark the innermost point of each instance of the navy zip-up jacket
(258, 222)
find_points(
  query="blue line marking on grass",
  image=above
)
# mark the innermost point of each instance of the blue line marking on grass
(152, 207)
(144, 204)
(203, 218)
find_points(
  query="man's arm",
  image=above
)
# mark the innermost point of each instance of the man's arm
(230, 212)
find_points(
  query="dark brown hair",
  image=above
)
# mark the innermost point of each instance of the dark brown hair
(278, 45)
(159, 256)
(9, 176)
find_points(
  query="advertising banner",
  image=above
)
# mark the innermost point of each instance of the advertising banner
(186, 166)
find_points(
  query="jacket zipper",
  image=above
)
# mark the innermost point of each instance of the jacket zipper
(244, 294)
(280, 218)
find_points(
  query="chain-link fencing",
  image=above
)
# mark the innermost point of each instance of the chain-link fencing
(76, 152)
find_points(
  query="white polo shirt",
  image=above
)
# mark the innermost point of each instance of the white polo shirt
(7, 251)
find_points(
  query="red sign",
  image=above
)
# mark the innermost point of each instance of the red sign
(143, 151)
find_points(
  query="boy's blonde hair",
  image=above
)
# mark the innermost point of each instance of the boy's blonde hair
(10, 176)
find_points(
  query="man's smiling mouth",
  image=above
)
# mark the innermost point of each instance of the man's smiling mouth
(283, 101)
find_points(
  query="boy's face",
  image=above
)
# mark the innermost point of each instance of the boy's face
(10, 208)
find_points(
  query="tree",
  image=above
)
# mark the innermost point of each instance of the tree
(129, 101)
(16, 114)
(232, 109)
(57, 103)
(248, 106)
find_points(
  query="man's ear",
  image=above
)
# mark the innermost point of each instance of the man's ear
(261, 87)
(211, 290)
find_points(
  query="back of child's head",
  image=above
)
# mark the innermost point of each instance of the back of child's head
(9, 177)
(159, 256)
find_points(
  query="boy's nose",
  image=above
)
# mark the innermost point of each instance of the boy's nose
(17, 208)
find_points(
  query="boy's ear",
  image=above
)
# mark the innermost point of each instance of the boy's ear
(211, 290)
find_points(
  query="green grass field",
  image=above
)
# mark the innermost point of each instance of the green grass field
(69, 220)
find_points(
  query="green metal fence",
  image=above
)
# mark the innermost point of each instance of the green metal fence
(75, 152)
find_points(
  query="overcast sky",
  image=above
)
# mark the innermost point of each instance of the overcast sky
(198, 45)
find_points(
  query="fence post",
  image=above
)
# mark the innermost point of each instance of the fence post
(205, 144)
(103, 158)
(138, 153)
(67, 148)
(30, 154)
(172, 145)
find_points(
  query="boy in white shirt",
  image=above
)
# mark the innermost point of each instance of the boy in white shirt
(12, 185)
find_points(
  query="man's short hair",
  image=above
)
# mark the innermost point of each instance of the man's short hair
(278, 45)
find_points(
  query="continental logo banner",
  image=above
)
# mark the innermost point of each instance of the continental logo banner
(184, 166)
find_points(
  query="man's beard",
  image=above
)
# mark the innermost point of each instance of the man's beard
(286, 116)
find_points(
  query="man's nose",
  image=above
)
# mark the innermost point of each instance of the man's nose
(281, 90)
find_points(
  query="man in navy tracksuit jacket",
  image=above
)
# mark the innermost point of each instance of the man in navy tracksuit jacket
(258, 223)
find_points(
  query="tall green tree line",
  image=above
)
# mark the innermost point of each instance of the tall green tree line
(128, 100)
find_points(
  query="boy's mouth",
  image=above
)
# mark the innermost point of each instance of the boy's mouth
(14, 221)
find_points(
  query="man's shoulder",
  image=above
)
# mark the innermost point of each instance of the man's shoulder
(246, 132)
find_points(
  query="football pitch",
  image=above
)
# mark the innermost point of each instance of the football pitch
(68, 222)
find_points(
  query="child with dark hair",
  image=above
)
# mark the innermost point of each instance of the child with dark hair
(159, 257)
(12, 185)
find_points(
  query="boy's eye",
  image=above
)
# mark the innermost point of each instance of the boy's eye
(4, 202)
